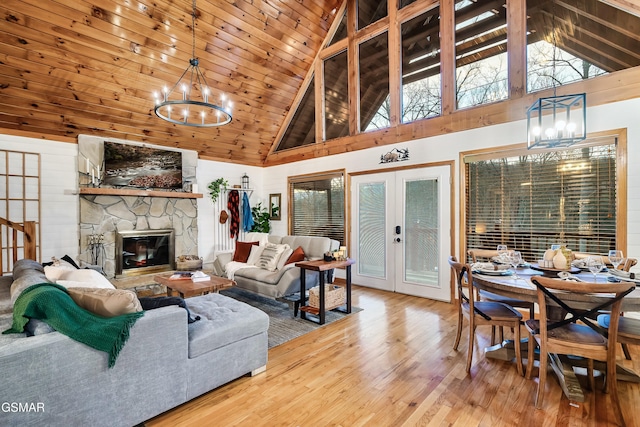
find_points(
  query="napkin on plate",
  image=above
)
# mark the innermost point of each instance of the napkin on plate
(622, 273)
(488, 266)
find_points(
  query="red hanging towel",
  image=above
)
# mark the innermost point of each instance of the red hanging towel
(233, 204)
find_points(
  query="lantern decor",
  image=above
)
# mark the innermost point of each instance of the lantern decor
(245, 182)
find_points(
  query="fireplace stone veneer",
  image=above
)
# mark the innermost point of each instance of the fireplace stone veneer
(107, 215)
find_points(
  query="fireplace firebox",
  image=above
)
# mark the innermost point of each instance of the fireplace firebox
(144, 252)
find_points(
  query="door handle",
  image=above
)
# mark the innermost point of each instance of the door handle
(398, 229)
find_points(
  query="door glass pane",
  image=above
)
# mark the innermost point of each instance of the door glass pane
(371, 229)
(421, 232)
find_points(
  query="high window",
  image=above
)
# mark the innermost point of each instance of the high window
(531, 200)
(420, 61)
(421, 82)
(374, 96)
(317, 205)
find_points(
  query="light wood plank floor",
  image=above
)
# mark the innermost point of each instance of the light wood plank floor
(393, 365)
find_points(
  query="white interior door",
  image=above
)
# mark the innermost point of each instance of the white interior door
(400, 231)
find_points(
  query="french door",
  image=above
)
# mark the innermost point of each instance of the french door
(401, 231)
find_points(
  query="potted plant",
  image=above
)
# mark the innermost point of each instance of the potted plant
(214, 188)
(261, 216)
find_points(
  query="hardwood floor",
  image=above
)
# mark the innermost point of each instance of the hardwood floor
(392, 364)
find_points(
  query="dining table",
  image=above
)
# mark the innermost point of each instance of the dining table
(520, 287)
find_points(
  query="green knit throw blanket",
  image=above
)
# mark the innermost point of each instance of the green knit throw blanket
(52, 304)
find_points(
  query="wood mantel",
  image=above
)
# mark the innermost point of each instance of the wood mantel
(137, 193)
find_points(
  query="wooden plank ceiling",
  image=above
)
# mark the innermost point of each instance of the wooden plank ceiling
(70, 67)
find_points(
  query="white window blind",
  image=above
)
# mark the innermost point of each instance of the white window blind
(318, 205)
(529, 200)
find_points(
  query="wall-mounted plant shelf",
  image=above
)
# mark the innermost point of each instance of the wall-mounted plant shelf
(99, 191)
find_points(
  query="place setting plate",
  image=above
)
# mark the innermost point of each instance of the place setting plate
(490, 269)
(494, 272)
(553, 272)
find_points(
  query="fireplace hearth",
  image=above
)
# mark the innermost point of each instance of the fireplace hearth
(144, 252)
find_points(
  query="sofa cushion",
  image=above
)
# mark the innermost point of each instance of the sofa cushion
(270, 256)
(243, 249)
(264, 276)
(254, 256)
(314, 247)
(223, 321)
(106, 302)
(261, 238)
(86, 278)
(283, 258)
(297, 256)
(24, 275)
(55, 272)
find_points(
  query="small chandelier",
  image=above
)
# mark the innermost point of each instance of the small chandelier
(188, 101)
(558, 120)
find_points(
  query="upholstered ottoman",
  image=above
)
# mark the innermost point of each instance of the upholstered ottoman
(230, 336)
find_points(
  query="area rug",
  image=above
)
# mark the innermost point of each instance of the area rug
(282, 325)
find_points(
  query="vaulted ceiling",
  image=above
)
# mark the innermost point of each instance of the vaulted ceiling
(70, 67)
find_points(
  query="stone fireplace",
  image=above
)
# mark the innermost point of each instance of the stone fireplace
(106, 212)
(144, 252)
(106, 216)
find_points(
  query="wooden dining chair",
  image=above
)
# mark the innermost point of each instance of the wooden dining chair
(624, 266)
(486, 254)
(565, 327)
(480, 313)
(628, 329)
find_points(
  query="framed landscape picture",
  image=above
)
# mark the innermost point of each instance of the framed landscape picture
(141, 167)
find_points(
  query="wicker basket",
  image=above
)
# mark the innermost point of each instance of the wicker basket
(189, 264)
(334, 296)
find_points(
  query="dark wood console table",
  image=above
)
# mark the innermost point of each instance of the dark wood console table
(322, 267)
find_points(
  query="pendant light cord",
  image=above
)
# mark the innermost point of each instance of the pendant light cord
(193, 30)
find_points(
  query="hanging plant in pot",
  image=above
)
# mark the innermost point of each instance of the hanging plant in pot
(215, 188)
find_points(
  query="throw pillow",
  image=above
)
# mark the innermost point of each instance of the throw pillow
(254, 256)
(86, 278)
(54, 273)
(270, 256)
(296, 256)
(106, 302)
(243, 249)
(283, 258)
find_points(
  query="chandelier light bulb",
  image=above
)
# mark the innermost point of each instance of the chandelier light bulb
(560, 124)
(549, 133)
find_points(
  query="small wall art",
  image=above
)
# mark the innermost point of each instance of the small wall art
(395, 155)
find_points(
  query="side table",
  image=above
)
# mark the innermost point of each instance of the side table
(321, 267)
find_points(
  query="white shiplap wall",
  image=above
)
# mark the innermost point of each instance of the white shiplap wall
(59, 175)
(59, 183)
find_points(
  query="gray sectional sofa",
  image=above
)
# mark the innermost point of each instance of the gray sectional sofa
(49, 379)
(281, 282)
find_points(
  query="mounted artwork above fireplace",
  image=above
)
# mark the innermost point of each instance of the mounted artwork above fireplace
(141, 167)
